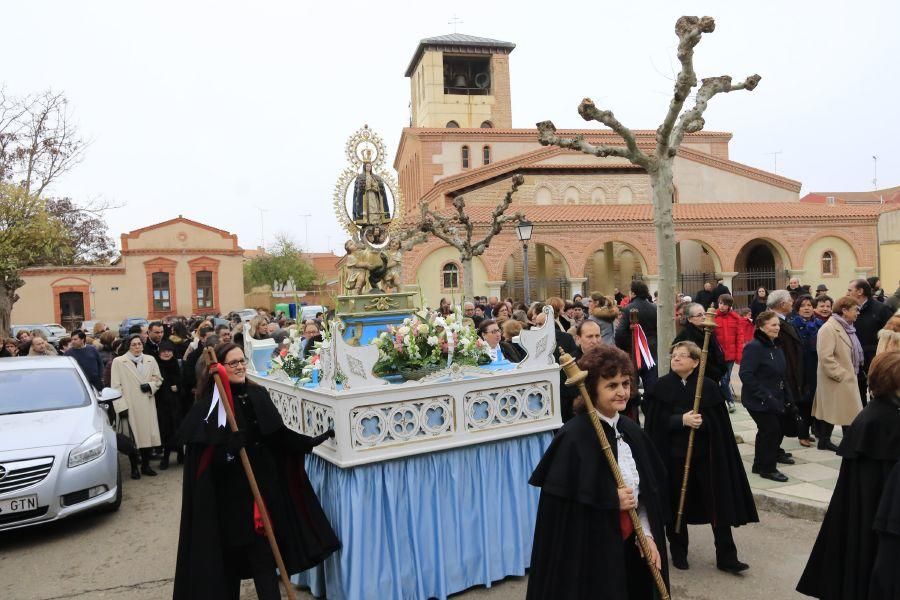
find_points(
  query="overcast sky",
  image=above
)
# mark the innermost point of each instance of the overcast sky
(215, 109)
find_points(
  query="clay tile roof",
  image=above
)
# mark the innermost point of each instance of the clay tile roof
(457, 40)
(643, 213)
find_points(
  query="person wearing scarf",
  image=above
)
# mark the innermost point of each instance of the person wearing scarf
(840, 355)
(137, 376)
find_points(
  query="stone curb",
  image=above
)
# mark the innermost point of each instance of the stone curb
(789, 507)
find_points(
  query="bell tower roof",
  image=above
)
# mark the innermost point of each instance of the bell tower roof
(458, 43)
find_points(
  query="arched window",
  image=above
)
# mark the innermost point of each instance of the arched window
(465, 157)
(487, 125)
(450, 276)
(625, 195)
(452, 125)
(543, 196)
(828, 263)
(486, 155)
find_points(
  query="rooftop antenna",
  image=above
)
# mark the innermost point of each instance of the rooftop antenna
(454, 21)
(262, 230)
(775, 159)
(875, 172)
(306, 217)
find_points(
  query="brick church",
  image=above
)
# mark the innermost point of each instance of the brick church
(593, 222)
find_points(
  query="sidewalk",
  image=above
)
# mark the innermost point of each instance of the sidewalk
(810, 482)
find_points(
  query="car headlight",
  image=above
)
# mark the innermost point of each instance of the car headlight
(90, 449)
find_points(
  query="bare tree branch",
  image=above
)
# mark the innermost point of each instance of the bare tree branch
(692, 120)
(547, 137)
(589, 112)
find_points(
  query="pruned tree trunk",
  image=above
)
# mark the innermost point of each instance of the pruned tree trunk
(468, 280)
(8, 298)
(659, 163)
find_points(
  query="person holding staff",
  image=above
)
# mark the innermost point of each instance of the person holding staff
(584, 542)
(718, 492)
(222, 535)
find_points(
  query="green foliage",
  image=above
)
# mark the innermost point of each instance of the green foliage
(29, 234)
(284, 262)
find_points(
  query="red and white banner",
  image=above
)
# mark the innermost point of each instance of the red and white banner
(642, 355)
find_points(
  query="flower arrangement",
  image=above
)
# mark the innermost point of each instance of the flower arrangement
(290, 362)
(428, 342)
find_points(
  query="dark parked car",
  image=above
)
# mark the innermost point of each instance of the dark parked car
(129, 322)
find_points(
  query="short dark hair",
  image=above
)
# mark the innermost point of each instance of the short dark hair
(726, 299)
(80, 334)
(822, 299)
(204, 331)
(222, 326)
(134, 329)
(800, 300)
(862, 284)
(579, 329)
(884, 374)
(603, 362)
(155, 324)
(764, 317)
(640, 289)
(482, 327)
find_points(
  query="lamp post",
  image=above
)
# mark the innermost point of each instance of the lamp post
(523, 231)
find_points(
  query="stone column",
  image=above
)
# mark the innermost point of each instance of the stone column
(539, 287)
(494, 288)
(576, 286)
(609, 283)
(652, 282)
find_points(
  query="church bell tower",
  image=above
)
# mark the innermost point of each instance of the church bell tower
(460, 80)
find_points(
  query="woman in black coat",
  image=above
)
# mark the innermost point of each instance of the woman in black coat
(694, 315)
(718, 492)
(885, 580)
(840, 565)
(168, 404)
(583, 545)
(221, 541)
(765, 393)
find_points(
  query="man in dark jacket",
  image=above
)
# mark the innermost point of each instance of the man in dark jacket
(720, 290)
(705, 296)
(781, 302)
(893, 301)
(642, 302)
(873, 316)
(88, 358)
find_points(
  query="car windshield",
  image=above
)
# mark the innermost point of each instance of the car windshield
(36, 390)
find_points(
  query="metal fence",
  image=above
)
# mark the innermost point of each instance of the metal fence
(555, 286)
(744, 285)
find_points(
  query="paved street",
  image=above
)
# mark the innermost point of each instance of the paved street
(131, 555)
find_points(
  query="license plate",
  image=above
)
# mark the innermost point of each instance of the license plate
(14, 505)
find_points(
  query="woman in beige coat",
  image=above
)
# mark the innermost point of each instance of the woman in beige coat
(137, 376)
(837, 400)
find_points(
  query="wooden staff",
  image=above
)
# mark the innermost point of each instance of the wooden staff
(633, 409)
(708, 325)
(575, 377)
(248, 470)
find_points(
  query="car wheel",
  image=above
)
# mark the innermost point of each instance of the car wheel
(111, 508)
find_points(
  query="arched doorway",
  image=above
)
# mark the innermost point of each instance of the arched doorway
(548, 274)
(697, 264)
(614, 265)
(760, 263)
(71, 309)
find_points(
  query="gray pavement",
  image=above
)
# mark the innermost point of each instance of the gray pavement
(130, 555)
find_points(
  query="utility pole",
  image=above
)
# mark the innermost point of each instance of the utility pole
(775, 159)
(306, 226)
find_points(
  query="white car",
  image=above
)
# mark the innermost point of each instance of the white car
(56, 329)
(57, 449)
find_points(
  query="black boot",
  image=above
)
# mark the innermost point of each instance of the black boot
(164, 461)
(146, 453)
(133, 459)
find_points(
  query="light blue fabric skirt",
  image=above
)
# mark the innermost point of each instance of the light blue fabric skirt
(429, 525)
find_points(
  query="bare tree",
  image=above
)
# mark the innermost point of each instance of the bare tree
(658, 163)
(458, 230)
(38, 141)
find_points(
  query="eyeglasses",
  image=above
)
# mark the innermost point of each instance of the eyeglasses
(492, 331)
(234, 364)
(679, 356)
(697, 315)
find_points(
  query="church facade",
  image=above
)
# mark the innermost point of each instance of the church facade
(593, 221)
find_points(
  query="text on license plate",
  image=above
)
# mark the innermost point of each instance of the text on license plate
(14, 505)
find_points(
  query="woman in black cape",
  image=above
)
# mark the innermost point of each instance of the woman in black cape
(221, 541)
(168, 405)
(840, 565)
(583, 543)
(885, 582)
(718, 492)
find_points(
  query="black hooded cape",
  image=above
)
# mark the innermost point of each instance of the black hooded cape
(841, 561)
(578, 550)
(217, 504)
(718, 491)
(885, 582)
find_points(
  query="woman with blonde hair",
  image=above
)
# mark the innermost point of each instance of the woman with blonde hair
(840, 355)
(889, 337)
(258, 327)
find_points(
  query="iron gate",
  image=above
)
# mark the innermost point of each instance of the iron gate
(744, 285)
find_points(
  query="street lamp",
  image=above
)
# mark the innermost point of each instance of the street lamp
(523, 231)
